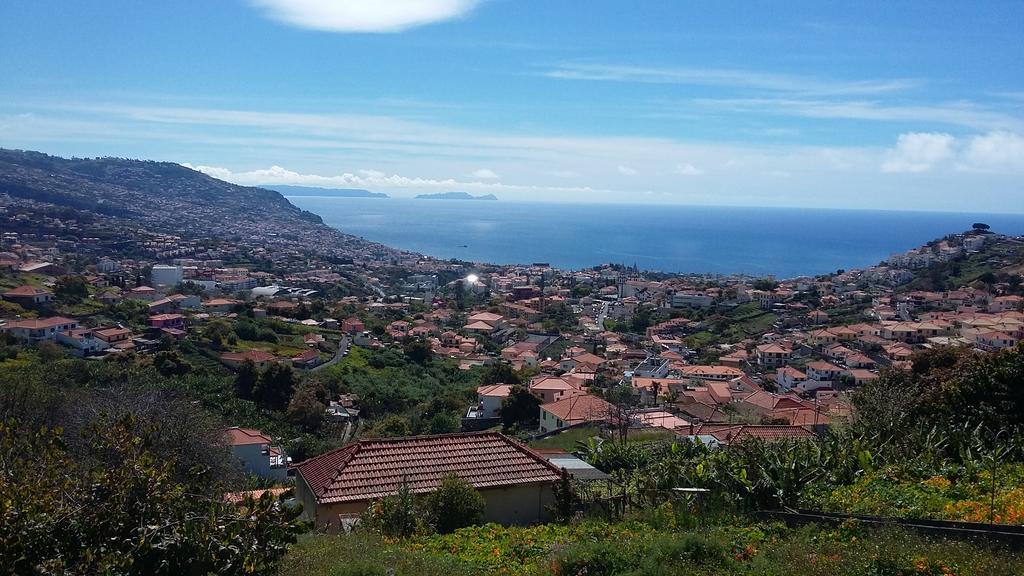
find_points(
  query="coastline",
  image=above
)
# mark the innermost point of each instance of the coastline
(698, 240)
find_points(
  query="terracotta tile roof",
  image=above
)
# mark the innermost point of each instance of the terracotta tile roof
(552, 383)
(306, 356)
(375, 468)
(728, 434)
(487, 317)
(501, 390)
(479, 325)
(699, 371)
(580, 408)
(242, 436)
(25, 291)
(38, 323)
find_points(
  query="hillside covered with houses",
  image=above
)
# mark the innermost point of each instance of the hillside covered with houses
(331, 383)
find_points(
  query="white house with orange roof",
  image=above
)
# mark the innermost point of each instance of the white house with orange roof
(823, 371)
(28, 295)
(995, 340)
(573, 410)
(1006, 304)
(710, 372)
(553, 388)
(257, 453)
(773, 355)
(36, 330)
(490, 397)
(789, 378)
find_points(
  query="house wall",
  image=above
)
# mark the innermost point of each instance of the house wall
(254, 461)
(549, 421)
(514, 505)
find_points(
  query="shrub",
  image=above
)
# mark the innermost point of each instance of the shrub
(392, 515)
(455, 504)
(601, 558)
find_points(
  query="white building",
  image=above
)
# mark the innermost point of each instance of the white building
(36, 330)
(691, 300)
(163, 275)
(257, 453)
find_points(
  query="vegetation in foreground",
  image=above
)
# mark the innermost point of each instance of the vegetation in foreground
(663, 544)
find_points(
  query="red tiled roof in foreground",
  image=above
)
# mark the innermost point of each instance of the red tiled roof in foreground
(375, 468)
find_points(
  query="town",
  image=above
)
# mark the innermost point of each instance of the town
(718, 359)
(354, 386)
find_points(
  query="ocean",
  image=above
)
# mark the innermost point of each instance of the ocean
(784, 242)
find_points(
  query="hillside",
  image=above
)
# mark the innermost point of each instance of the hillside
(136, 197)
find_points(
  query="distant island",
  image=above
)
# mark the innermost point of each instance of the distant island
(455, 196)
(328, 192)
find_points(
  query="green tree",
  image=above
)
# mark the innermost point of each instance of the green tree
(217, 332)
(246, 379)
(444, 423)
(393, 516)
(418, 351)
(306, 408)
(392, 426)
(520, 409)
(170, 363)
(567, 500)
(65, 516)
(455, 504)
(499, 373)
(50, 352)
(70, 289)
(275, 386)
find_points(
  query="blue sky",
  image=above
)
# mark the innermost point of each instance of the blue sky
(905, 105)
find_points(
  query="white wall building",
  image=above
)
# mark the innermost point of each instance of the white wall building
(163, 275)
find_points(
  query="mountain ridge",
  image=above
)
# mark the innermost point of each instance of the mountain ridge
(167, 198)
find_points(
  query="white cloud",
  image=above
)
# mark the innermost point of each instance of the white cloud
(372, 179)
(951, 113)
(626, 170)
(484, 174)
(399, 155)
(919, 152)
(364, 15)
(688, 170)
(995, 151)
(724, 77)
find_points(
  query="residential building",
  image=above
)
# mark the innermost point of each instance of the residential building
(575, 409)
(489, 399)
(789, 378)
(773, 355)
(36, 330)
(28, 296)
(515, 482)
(166, 276)
(257, 453)
(823, 371)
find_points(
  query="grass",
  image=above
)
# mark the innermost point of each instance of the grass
(658, 546)
(566, 440)
(569, 439)
(287, 349)
(16, 279)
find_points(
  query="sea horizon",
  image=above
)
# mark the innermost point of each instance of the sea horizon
(758, 241)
